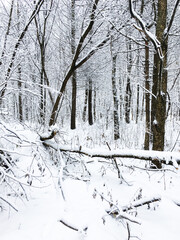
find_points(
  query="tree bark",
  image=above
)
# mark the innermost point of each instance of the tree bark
(159, 89)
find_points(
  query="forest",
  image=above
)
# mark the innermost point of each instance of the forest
(89, 119)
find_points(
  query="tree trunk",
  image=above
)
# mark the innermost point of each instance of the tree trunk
(159, 82)
(115, 99)
(42, 83)
(85, 104)
(20, 110)
(20, 106)
(147, 98)
(90, 109)
(94, 104)
(74, 95)
(74, 85)
(159, 89)
(128, 93)
(137, 105)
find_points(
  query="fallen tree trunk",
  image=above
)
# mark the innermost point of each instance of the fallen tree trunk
(170, 158)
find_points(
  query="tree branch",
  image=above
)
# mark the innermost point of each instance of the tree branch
(148, 34)
(169, 158)
(141, 202)
(8, 203)
(171, 20)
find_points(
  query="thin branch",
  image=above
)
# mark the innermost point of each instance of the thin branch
(70, 226)
(8, 203)
(167, 30)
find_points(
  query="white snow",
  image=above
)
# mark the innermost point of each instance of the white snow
(42, 208)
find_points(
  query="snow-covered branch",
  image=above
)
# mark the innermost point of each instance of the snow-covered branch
(145, 30)
(141, 202)
(171, 158)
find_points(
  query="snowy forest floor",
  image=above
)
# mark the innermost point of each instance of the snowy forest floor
(78, 191)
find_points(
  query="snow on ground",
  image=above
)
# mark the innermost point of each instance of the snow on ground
(88, 188)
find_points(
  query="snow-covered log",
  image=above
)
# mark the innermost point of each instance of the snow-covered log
(141, 202)
(170, 158)
(121, 213)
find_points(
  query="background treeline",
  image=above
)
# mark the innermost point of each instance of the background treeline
(85, 62)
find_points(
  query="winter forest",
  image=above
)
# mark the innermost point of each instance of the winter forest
(89, 119)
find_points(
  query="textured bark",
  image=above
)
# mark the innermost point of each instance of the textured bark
(159, 89)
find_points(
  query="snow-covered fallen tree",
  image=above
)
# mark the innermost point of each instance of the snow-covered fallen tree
(170, 158)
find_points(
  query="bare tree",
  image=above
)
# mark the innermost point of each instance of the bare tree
(75, 64)
(159, 90)
(9, 70)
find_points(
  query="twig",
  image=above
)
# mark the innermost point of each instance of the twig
(8, 203)
(128, 229)
(70, 226)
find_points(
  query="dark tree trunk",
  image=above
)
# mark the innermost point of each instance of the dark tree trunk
(128, 101)
(128, 94)
(159, 89)
(94, 104)
(20, 107)
(137, 105)
(90, 109)
(147, 98)
(115, 99)
(85, 104)
(74, 84)
(73, 108)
